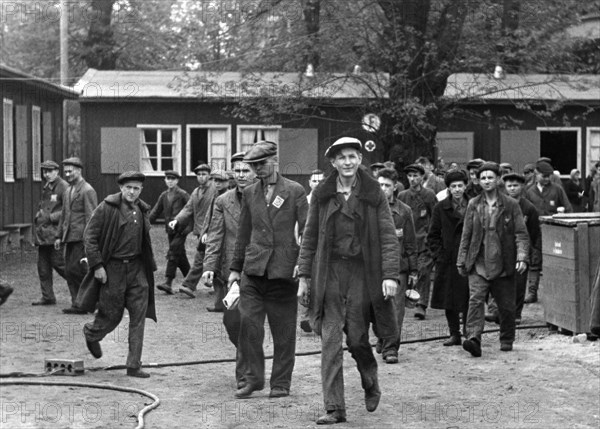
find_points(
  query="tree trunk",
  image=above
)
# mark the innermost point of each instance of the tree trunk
(311, 11)
(100, 47)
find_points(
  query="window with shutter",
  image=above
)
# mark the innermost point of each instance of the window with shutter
(8, 140)
(209, 144)
(593, 147)
(247, 135)
(160, 148)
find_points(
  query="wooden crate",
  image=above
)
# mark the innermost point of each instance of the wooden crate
(571, 249)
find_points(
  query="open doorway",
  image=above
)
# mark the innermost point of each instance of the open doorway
(562, 146)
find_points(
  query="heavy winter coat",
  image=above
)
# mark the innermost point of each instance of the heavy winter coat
(100, 238)
(450, 289)
(379, 244)
(49, 209)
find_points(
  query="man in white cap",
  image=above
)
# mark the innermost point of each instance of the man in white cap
(351, 251)
(266, 251)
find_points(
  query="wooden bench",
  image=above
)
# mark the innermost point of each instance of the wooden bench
(4, 242)
(19, 234)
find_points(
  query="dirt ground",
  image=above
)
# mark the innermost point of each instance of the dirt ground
(548, 381)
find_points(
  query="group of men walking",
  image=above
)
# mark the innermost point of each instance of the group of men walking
(347, 253)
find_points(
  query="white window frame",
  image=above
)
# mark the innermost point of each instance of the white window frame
(578, 129)
(588, 149)
(8, 140)
(177, 151)
(239, 128)
(188, 146)
(36, 143)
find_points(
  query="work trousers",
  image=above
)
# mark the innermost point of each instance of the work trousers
(391, 346)
(49, 258)
(126, 288)
(276, 299)
(346, 309)
(195, 273)
(503, 290)
(75, 271)
(231, 320)
(425, 265)
(521, 288)
(176, 256)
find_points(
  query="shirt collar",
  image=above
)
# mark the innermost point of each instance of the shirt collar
(271, 180)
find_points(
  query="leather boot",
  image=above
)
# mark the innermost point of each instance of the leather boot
(166, 286)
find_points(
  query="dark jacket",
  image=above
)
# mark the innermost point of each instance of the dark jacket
(49, 209)
(380, 248)
(403, 220)
(573, 191)
(551, 198)
(421, 203)
(532, 222)
(511, 228)
(265, 244)
(76, 211)
(101, 235)
(170, 209)
(194, 212)
(450, 289)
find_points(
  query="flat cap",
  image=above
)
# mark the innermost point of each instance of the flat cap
(172, 173)
(131, 176)
(475, 163)
(543, 167)
(238, 156)
(202, 167)
(506, 165)
(49, 165)
(260, 151)
(377, 165)
(455, 176)
(74, 161)
(514, 176)
(342, 143)
(414, 168)
(489, 166)
(529, 167)
(219, 175)
(545, 159)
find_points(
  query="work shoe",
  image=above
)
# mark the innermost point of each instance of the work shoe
(530, 298)
(44, 302)
(379, 346)
(94, 348)
(74, 310)
(279, 392)
(246, 391)
(492, 317)
(186, 290)
(5, 291)
(473, 347)
(420, 312)
(332, 417)
(454, 340)
(372, 396)
(391, 359)
(137, 372)
(165, 287)
(305, 326)
(215, 309)
(506, 347)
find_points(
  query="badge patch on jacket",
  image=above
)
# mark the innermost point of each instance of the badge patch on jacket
(53, 198)
(278, 201)
(552, 203)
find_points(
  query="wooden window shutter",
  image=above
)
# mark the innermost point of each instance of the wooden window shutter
(519, 147)
(119, 150)
(455, 147)
(47, 149)
(298, 150)
(22, 142)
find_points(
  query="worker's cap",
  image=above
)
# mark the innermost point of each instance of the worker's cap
(529, 168)
(506, 166)
(545, 159)
(455, 176)
(49, 165)
(377, 165)
(414, 168)
(220, 175)
(238, 156)
(260, 151)
(543, 167)
(489, 166)
(513, 177)
(172, 173)
(74, 161)
(202, 167)
(130, 176)
(341, 143)
(475, 163)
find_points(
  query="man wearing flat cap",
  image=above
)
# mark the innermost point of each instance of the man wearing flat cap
(375, 167)
(473, 188)
(46, 226)
(169, 203)
(194, 213)
(79, 202)
(548, 199)
(351, 253)
(120, 259)
(421, 201)
(263, 262)
(494, 247)
(220, 247)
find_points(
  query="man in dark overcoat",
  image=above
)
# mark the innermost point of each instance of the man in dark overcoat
(266, 251)
(351, 251)
(450, 289)
(494, 246)
(46, 226)
(169, 203)
(121, 263)
(79, 202)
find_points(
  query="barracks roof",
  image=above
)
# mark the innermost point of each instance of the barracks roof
(11, 74)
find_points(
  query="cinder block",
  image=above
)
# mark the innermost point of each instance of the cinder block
(69, 366)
